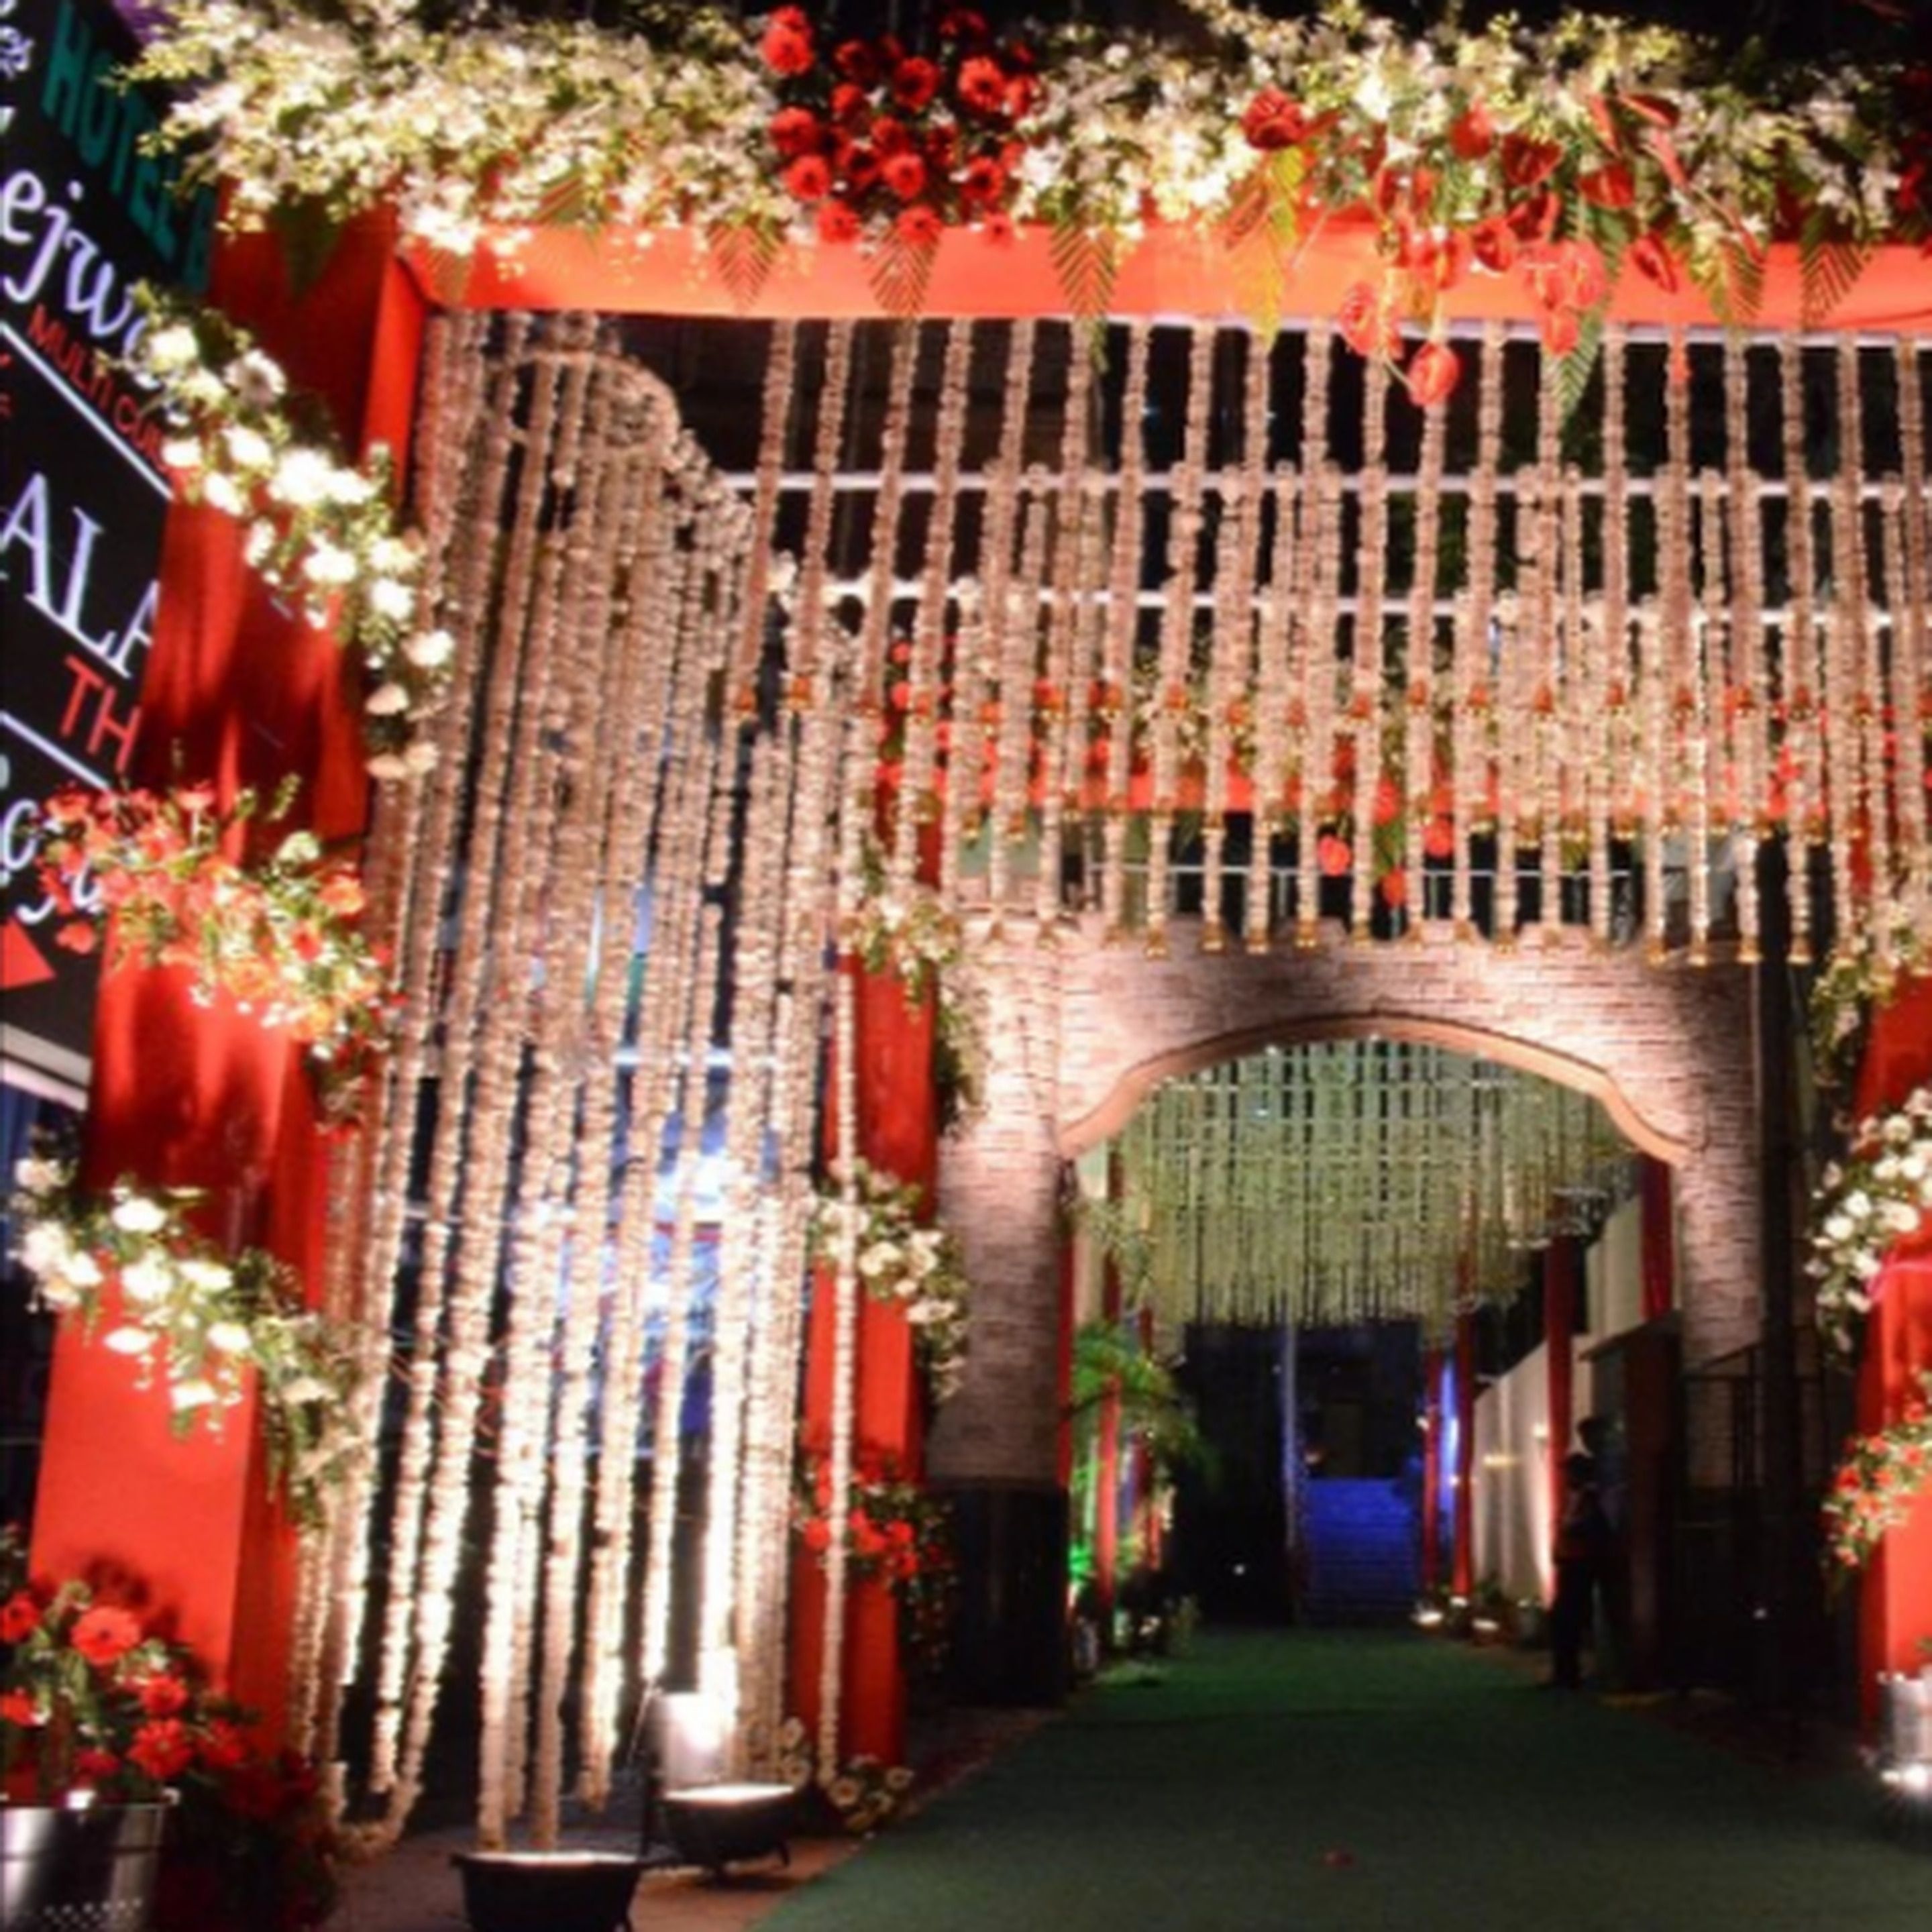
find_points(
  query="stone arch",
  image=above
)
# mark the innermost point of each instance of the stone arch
(1077, 1029)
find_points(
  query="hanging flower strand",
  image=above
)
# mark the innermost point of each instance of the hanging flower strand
(207, 1316)
(317, 530)
(281, 936)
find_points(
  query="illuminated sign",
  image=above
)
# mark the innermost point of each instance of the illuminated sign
(85, 215)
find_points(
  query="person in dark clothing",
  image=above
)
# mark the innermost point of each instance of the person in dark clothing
(1583, 1535)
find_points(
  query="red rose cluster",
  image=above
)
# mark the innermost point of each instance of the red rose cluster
(875, 138)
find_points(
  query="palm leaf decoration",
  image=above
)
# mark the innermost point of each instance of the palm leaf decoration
(1829, 265)
(902, 273)
(1261, 229)
(744, 254)
(1087, 261)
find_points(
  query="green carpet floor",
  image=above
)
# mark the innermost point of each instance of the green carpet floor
(1318, 1780)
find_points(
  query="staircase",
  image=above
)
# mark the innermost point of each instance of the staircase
(1359, 1546)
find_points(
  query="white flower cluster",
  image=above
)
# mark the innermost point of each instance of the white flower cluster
(208, 1319)
(1881, 1195)
(319, 530)
(911, 931)
(898, 1259)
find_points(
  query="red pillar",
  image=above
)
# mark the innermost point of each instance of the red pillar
(1657, 1235)
(1432, 1468)
(1463, 1559)
(1562, 1268)
(897, 1131)
(1895, 1594)
(239, 691)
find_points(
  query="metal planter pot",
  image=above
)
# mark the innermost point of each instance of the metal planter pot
(88, 1869)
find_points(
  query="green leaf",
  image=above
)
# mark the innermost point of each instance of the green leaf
(1262, 226)
(1731, 279)
(901, 272)
(1086, 260)
(1829, 265)
(744, 254)
(307, 231)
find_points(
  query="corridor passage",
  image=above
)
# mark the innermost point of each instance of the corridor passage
(1309, 1780)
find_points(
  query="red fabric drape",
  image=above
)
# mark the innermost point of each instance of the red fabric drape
(239, 691)
(1432, 1468)
(897, 1130)
(1895, 1598)
(1657, 1236)
(1562, 1277)
(1462, 1558)
(1174, 271)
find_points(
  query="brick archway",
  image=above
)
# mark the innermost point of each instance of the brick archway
(1077, 1031)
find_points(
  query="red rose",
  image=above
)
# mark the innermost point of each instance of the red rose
(859, 165)
(905, 175)
(817, 1535)
(1394, 887)
(94, 1766)
(224, 1748)
(848, 102)
(857, 60)
(982, 85)
(984, 182)
(77, 935)
(19, 1617)
(888, 136)
(1439, 838)
(17, 1708)
(105, 1634)
(1474, 133)
(998, 230)
(795, 131)
(837, 222)
(919, 225)
(962, 23)
(1022, 91)
(162, 1749)
(914, 83)
(1334, 854)
(786, 45)
(1272, 122)
(1431, 378)
(808, 179)
(162, 1696)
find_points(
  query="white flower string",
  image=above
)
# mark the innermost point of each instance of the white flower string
(1362, 730)
(1912, 633)
(1879, 1195)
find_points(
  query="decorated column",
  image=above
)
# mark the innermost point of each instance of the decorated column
(191, 1092)
(1462, 1558)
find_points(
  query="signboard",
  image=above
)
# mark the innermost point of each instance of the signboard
(84, 216)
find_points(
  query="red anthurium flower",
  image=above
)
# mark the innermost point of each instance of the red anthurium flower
(1584, 280)
(914, 83)
(1649, 107)
(1605, 122)
(1431, 377)
(808, 179)
(919, 225)
(904, 174)
(1473, 134)
(1494, 243)
(795, 131)
(837, 222)
(1533, 218)
(1273, 121)
(105, 1634)
(1526, 163)
(1366, 324)
(787, 44)
(1660, 144)
(1611, 186)
(982, 85)
(1335, 855)
(1561, 330)
(1651, 260)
